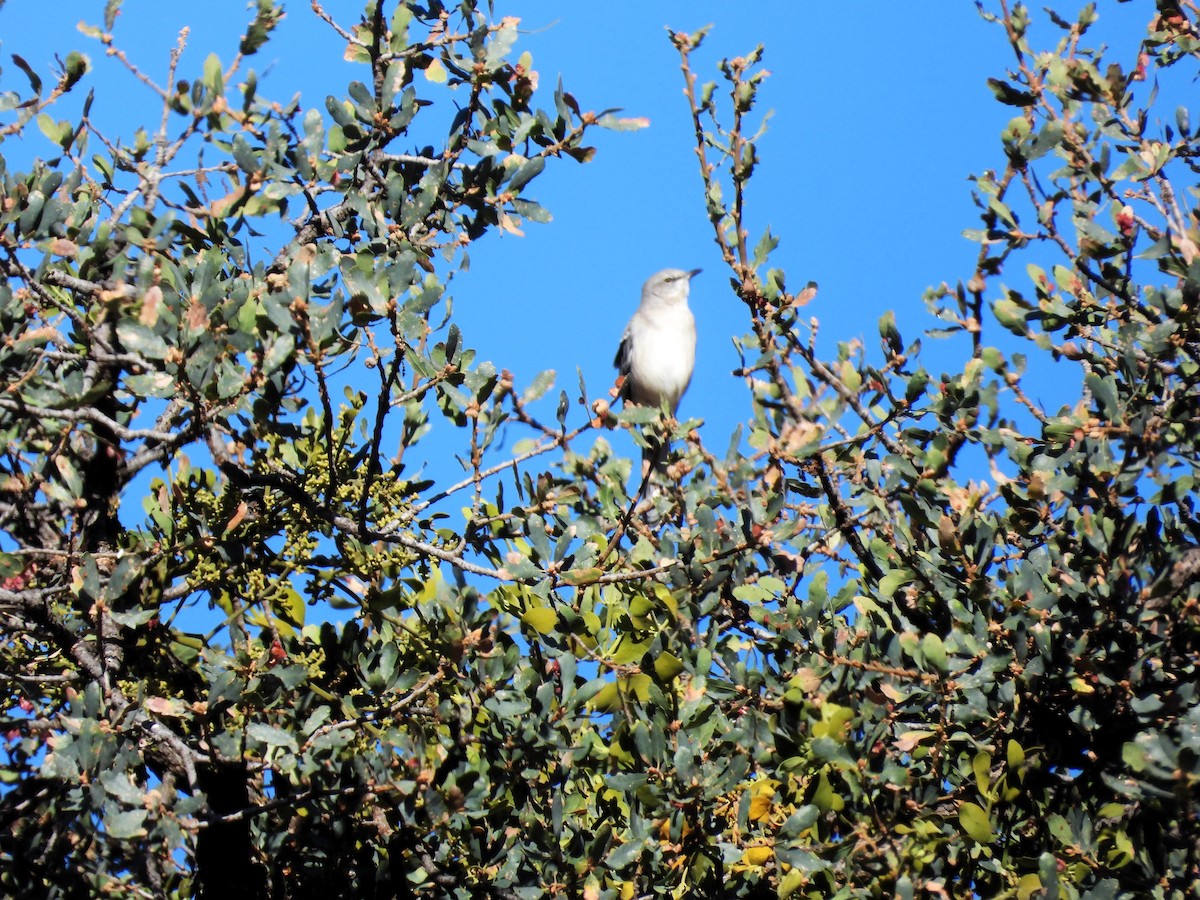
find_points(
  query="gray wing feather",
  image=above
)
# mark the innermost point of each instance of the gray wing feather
(624, 359)
(624, 352)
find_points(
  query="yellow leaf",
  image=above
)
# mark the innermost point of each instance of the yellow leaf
(289, 608)
(825, 797)
(758, 856)
(663, 593)
(639, 687)
(629, 651)
(1016, 755)
(805, 680)
(791, 882)
(429, 588)
(609, 697)
(850, 376)
(908, 741)
(1111, 811)
(540, 618)
(1121, 852)
(640, 605)
(1028, 886)
(667, 666)
(834, 722)
(436, 72)
(760, 807)
(892, 693)
(981, 767)
(581, 577)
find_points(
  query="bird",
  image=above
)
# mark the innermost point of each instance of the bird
(657, 354)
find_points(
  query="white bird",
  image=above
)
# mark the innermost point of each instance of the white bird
(658, 350)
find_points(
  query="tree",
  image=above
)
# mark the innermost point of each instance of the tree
(912, 634)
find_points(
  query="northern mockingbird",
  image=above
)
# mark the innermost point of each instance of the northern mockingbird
(658, 350)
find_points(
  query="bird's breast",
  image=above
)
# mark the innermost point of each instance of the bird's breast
(663, 357)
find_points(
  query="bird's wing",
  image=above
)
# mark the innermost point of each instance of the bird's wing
(624, 360)
(624, 357)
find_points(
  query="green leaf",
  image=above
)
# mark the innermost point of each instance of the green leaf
(214, 78)
(763, 249)
(55, 132)
(126, 825)
(534, 212)
(34, 80)
(111, 9)
(1121, 850)
(259, 31)
(935, 652)
(244, 156)
(75, 66)
(527, 171)
(610, 697)
(1011, 315)
(615, 123)
(975, 822)
(272, 736)
(625, 855)
(141, 339)
(791, 883)
(1104, 391)
(1009, 95)
(124, 574)
(10, 565)
(541, 383)
(825, 797)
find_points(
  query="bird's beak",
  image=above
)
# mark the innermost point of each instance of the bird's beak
(692, 274)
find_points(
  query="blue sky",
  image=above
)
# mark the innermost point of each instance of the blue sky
(880, 115)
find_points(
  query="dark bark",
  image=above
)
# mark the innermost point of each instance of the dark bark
(226, 868)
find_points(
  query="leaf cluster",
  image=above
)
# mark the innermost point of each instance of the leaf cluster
(910, 633)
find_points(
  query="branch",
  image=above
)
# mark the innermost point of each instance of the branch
(86, 414)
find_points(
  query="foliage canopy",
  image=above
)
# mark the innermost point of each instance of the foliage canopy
(911, 634)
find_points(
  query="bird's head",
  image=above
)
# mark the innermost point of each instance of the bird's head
(668, 286)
